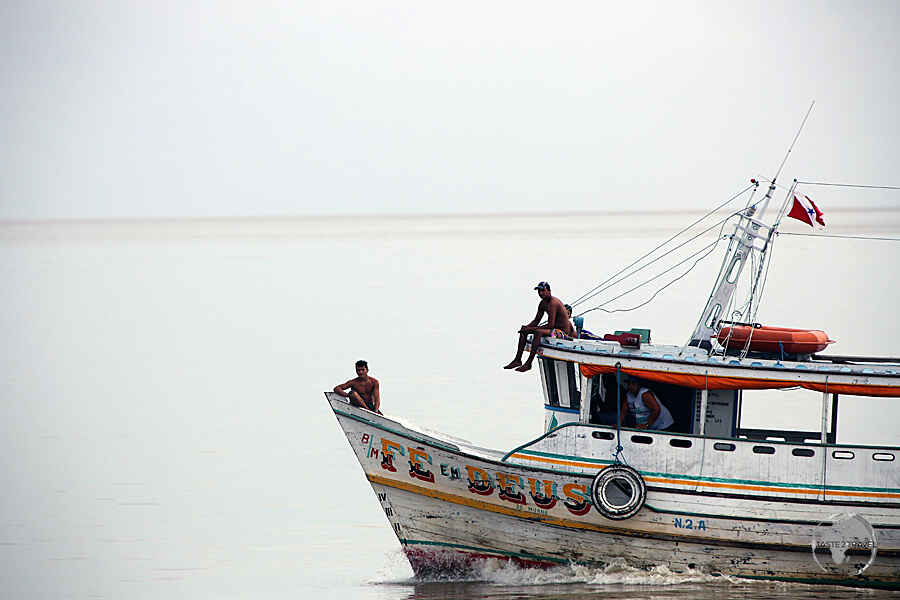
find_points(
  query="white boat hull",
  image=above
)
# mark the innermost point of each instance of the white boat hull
(450, 503)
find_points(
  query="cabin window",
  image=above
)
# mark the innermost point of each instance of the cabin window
(602, 435)
(886, 456)
(724, 447)
(642, 439)
(548, 377)
(842, 454)
(602, 399)
(802, 452)
(560, 383)
(760, 411)
(606, 399)
(763, 450)
(680, 443)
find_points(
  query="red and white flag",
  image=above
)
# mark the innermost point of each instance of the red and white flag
(804, 210)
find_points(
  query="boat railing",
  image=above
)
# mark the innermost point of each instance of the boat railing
(796, 437)
(851, 360)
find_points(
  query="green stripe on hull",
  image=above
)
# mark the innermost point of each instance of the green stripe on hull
(689, 478)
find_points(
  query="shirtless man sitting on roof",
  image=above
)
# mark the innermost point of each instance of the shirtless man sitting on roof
(364, 391)
(557, 323)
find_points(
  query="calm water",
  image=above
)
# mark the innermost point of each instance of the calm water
(163, 431)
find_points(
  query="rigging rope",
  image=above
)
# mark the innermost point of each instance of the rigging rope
(600, 288)
(721, 224)
(850, 185)
(751, 306)
(737, 314)
(618, 454)
(844, 237)
(761, 282)
(709, 248)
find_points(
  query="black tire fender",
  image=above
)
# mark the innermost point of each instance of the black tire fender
(618, 492)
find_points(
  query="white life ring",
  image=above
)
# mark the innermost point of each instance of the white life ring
(618, 492)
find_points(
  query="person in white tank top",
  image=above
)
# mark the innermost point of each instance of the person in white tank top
(649, 412)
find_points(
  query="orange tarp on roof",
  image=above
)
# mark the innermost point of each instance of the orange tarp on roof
(720, 382)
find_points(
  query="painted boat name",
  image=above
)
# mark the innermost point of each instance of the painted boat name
(544, 494)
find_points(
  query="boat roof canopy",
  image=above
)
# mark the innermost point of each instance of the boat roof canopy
(721, 382)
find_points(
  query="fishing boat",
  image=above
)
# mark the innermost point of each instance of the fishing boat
(706, 494)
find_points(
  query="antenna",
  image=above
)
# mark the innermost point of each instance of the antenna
(794, 142)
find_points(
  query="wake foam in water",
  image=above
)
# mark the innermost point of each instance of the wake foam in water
(616, 573)
(447, 566)
(488, 578)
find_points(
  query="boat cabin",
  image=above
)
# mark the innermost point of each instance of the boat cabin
(571, 397)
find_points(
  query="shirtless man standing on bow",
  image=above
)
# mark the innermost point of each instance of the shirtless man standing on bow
(558, 324)
(364, 391)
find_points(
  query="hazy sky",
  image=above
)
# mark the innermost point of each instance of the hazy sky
(116, 109)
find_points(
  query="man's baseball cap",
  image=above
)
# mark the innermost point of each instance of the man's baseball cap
(543, 286)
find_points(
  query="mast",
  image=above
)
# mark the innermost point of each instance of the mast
(746, 231)
(758, 277)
